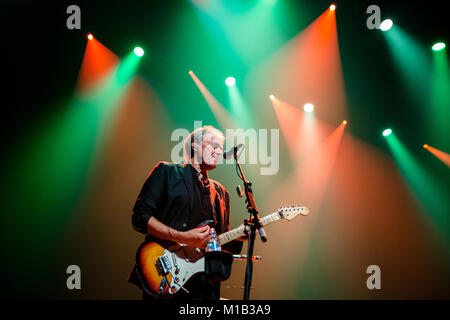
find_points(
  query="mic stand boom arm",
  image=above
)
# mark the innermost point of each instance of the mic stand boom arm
(255, 224)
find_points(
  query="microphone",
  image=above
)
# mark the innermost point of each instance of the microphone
(230, 153)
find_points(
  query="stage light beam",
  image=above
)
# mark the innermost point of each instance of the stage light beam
(230, 81)
(438, 46)
(441, 155)
(222, 115)
(90, 36)
(271, 97)
(308, 107)
(386, 25)
(333, 7)
(387, 132)
(138, 51)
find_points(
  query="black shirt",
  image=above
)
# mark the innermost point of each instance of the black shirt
(202, 207)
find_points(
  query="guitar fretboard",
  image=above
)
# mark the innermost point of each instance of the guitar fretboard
(239, 231)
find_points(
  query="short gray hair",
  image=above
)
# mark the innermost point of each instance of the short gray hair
(197, 136)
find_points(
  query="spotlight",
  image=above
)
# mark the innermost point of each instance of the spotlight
(230, 81)
(344, 122)
(308, 107)
(387, 132)
(138, 51)
(425, 146)
(271, 97)
(333, 7)
(386, 25)
(90, 36)
(438, 46)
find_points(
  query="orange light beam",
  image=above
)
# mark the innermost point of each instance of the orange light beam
(307, 69)
(302, 131)
(318, 166)
(98, 62)
(290, 119)
(222, 116)
(441, 155)
(307, 185)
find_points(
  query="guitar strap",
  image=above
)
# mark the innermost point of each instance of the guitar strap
(213, 196)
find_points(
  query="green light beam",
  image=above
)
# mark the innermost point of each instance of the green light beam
(424, 188)
(413, 61)
(439, 101)
(49, 169)
(239, 109)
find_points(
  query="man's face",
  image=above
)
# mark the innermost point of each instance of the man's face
(212, 149)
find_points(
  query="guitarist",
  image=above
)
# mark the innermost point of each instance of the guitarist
(175, 199)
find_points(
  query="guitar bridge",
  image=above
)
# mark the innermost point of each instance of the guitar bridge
(163, 265)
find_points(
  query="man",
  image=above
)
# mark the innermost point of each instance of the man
(175, 199)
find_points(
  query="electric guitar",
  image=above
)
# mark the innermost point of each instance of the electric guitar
(164, 267)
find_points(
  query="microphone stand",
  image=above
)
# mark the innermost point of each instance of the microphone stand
(254, 223)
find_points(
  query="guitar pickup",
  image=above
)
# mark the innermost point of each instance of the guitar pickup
(163, 265)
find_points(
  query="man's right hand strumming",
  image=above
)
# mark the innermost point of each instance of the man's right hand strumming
(197, 237)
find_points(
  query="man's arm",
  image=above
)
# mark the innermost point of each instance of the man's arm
(149, 199)
(197, 237)
(146, 212)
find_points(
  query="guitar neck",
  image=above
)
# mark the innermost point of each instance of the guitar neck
(239, 231)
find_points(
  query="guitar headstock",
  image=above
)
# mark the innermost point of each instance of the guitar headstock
(291, 212)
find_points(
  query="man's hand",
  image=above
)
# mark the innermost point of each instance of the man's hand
(245, 236)
(197, 237)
